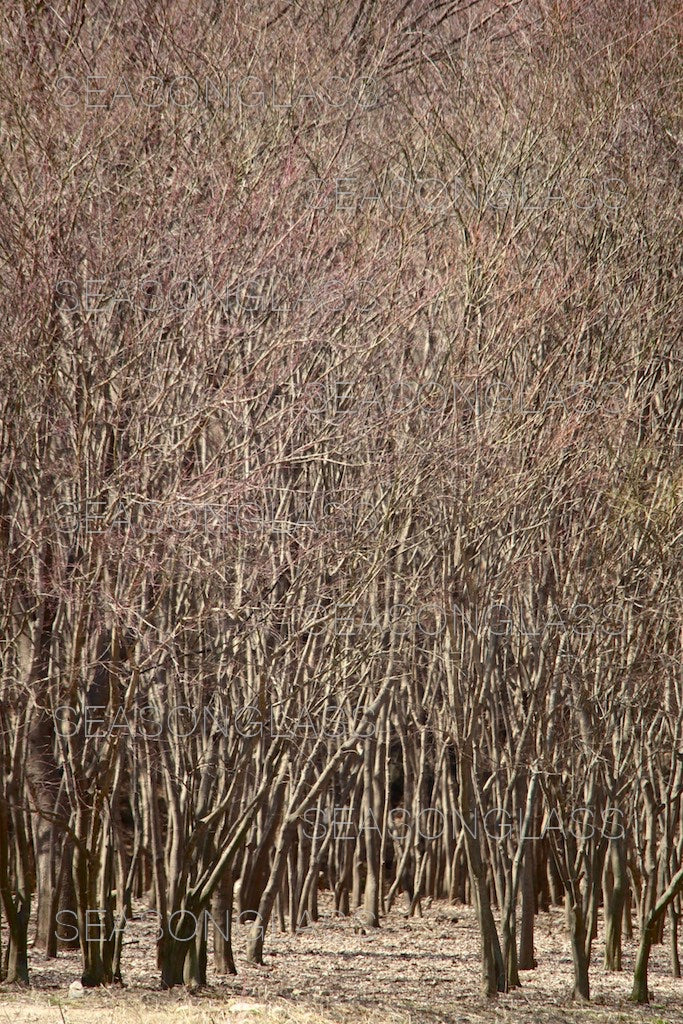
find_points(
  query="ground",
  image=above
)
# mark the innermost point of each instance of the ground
(417, 971)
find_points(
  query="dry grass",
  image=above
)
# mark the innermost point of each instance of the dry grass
(418, 971)
(37, 1008)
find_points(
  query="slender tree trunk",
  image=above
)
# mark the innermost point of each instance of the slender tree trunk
(221, 911)
(577, 931)
(47, 887)
(674, 917)
(492, 957)
(639, 993)
(256, 937)
(372, 818)
(15, 895)
(527, 960)
(614, 905)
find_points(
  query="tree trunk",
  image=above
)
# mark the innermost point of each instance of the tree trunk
(221, 911)
(14, 893)
(256, 936)
(577, 930)
(492, 958)
(639, 993)
(674, 916)
(179, 942)
(527, 961)
(17, 912)
(614, 905)
(372, 817)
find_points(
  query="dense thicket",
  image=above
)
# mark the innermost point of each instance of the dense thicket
(341, 472)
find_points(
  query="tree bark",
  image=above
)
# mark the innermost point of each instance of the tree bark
(614, 905)
(527, 960)
(640, 993)
(577, 930)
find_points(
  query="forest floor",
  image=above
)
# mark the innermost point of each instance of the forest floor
(411, 971)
